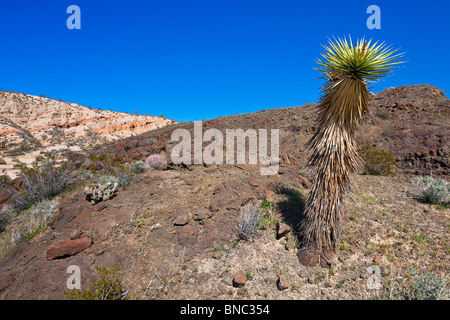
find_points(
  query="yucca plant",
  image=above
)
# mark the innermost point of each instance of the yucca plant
(348, 69)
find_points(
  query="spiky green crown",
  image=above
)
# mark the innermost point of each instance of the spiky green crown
(363, 61)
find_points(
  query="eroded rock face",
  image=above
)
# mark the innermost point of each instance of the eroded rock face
(39, 114)
(30, 125)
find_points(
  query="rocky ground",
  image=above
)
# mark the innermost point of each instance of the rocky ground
(174, 233)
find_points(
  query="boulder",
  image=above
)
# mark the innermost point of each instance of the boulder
(68, 248)
(282, 283)
(239, 279)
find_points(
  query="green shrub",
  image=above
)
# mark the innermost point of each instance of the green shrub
(432, 190)
(268, 220)
(378, 162)
(422, 286)
(428, 286)
(106, 286)
(107, 164)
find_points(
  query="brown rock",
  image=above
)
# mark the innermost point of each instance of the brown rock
(305, 183)
(282, 170)
(377, 259)
(202, 214)
(181, 218)
(6, 281)
(282, 283)
(287, 160)
(68, 248)
(187, 235)
(31, 250)
(270, 196)
(328, 259)
(239, 279)
(159, 146)
(282, 230)
(4, 196)
(308, 258)
(101, 206)
(218, 188)
(18, 183)
(254, 182)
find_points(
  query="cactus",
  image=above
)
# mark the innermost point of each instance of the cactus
(101, 192)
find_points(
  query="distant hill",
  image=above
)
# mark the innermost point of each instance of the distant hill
(31, 124)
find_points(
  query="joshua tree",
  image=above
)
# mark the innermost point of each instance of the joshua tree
(348, 69)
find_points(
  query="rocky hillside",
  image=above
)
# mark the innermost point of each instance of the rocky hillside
(174, 231)
(30, 125)
(411, 122)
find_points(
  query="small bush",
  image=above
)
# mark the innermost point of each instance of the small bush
(107, 164)
(378, 162)
(428, 286)
(43, 212)
(434, 191)
(249, 221)
(267, 220)
(383, 114)
(156, 162)
(138, 167)
(106, 286)
(422, 286)
(7, 213)
(46, 178)
(23, 226)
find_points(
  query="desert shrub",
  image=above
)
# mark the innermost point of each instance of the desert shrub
(106, 286)
(7, 213)
(106, 163)
(107, 179)
(138, 167)
(45, 178)
(420, 286)
(156, 162)
(378, 162)
(249, 220)
(43, 212)
(428, 286)
(432, 190)
(267, 220)
(383, 114)
(2, 161)
(23, 226)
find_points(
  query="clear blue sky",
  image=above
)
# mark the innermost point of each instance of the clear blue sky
(194, 60)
